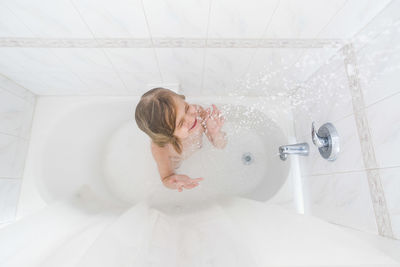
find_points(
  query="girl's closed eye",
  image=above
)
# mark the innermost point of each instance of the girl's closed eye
(183, 120)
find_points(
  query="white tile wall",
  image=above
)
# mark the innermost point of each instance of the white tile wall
(339, 190)
(133, 59)
(343, 198)
(116, 19)
(379, 68)
(49, 18)
(379, 65)
(239, 19)
(391, 184)
(10, 25)
(9, 193)
(295, 19)
(352, 17)
(177, 19)
(224, 68)
(16, 113)
(269, 71)
(151, 19)
(384, 122)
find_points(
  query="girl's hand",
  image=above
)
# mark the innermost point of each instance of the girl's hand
(180, 181)
(213, 121)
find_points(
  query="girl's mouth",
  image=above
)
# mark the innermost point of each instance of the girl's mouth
(194, 124)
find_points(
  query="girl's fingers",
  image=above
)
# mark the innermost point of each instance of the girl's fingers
(190, 186)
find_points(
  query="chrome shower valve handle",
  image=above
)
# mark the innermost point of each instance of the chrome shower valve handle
(327, 140)
(319, 141)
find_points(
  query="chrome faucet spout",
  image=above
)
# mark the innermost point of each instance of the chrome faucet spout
(298, 149)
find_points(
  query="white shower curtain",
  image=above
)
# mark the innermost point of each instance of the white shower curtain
(231, 232)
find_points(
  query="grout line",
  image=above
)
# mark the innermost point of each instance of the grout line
(319, 33)
(102, 49)
(205, 48)
(49, 49)
(13, 135)
(379, 202)
(328, 61)
(19, 85)
(259, 41)
(383, 99)
(152, 43)
(12, 12)
(354, 171)
(26, 157)
(332, 18)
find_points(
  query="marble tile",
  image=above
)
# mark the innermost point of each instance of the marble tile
(12, 155)
(384, 123)
(16, 89)
(379, 65)
(343, 199)
(390, 179)
(190, 82)
(27, 119)
(20, 158)
(269, 72)
(11, 26)
(29, 60)
(84, 59)
(221, 83)
(310, 61)
(9, 194)
(224, 68)
(14, 112)
(239, 19)
(102, 83)
(116, 19)
(50, 83)
(352, 18)
(136, 82)
(175, 60)
(305, 19)
(133, 59)
(49, 18)
(228, 60)
(169, 18)
(383, 20)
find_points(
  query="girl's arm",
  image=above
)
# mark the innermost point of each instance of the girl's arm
(168, 177)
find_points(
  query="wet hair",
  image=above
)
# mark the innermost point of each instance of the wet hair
(156, 116)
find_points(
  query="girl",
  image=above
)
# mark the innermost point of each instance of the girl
(176, 129)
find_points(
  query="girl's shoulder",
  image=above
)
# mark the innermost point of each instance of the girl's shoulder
(159, 149)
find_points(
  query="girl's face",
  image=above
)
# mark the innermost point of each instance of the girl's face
(186, 121)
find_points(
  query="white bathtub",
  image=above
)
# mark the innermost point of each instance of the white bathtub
(77, 144)
(81, 149)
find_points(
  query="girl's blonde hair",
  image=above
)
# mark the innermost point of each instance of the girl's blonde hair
(156, 116)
